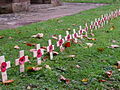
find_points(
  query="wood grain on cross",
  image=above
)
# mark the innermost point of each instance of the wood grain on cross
(21, 60)
(3, 67)
(38, 54)
(50, 49)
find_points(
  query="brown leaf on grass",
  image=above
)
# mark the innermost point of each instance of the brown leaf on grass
(118, 64)
(68, 29)
(100, 49)
(77, 66)
(55, 37)
(10, 37)
(114, 46)
(45, 58)
(55, 53)
(114, 41)
(109, 73)
(92, 34)
(30, 44)
(31, 69)
(16, 47)
(32, 50)
(112, 28)
(102, 80)
(71, 56)
(84, 80)
(62, 49)
(62, 78)
(89, 44)
(1, 37)
(92, 39)
(74, 24)
(39, 35)
(48, 67)
(44, 47)
(8, 81)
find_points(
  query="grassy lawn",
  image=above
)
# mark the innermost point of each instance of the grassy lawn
(91, 1)
(93, 63)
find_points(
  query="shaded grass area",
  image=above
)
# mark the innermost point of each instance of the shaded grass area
(93, 64)
(91, 1)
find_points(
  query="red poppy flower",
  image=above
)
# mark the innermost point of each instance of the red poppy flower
(75, 35)
(60, 42)
(3, 66)
(50, 48)
(67, 44)
(81, 32)
(68, 38)
(39, 53)
(22, 60)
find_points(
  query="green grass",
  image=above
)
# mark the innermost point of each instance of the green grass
(93, 64)
(91, 1)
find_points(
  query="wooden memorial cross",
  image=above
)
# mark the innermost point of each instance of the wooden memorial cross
(50, 49)
(80, 32)
(91, 27)
(86, 27)
(68, 36)
(22, 59)
(96, 24)
(60, 42)
(38, 54)
(3, 67)
(102, 20)
(75, 35)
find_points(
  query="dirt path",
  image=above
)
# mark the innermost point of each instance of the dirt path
(42, 12)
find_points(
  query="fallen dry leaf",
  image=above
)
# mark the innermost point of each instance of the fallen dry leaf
(109, 73)
(102, 80)
(39, 35)
(45, 58)
(71, 56)
(100, 49)
(114, 46)
(55, 53)
(8, 81)
(62, 49)
(55, 37)
(92, 34)
(16, 47)
(89, 44)
(45, 48)
(32, 50)
(77, 66)
(10, 37)
(84, 80)
(92, 39)
(30, 44)
(48, 67)
(62, 78)
(1, 37)
(112, 28)
(31, 69)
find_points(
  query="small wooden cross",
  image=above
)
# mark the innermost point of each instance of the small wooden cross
(50, 49)
(22, 59)
(86, 27)
(60, 42)
(91, 27)
(99, 23)
(68, 36)
(38, 54)
(102, 20)
(3, 67)
(80, 32)
(75, 35)
(96, 24)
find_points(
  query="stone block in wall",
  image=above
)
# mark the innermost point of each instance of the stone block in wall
(6, 8)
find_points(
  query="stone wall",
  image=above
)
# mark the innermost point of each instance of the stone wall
(10, 6)
(40, 1)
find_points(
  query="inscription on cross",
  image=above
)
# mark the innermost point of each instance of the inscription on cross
(38, 53)
(21, 60)
(3, 67)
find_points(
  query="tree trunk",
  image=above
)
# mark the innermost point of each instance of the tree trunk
(56, 2)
